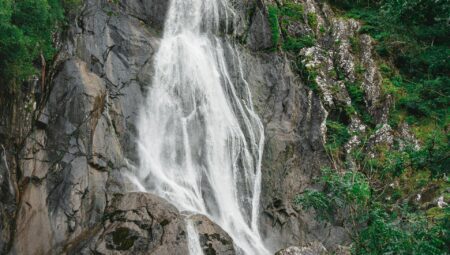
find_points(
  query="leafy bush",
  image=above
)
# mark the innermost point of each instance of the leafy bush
(349, 189)
(337, 136)
(374, 229)
(412, 35)
(26, 31)
(357, 95)
(318, 201)
(280, 17)
(412, 235)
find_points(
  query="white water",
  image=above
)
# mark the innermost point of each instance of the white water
(200, 142)
(193, 238)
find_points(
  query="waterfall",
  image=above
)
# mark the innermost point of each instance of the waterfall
(200, 141)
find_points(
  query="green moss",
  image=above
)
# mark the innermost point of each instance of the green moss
(123, 239)
(337, 137)
(295, 44)
(322, 29)
(274, 24)
(280, 17)
(355, 44)
(312, 20)
(357, 95)
(360, 69)
(437, 213)
(293, 11)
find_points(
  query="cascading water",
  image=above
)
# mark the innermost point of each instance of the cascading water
(200, 142)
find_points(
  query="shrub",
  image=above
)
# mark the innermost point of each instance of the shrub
(26, 30)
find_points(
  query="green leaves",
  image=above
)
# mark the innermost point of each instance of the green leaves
(281, 17)
(296, 44)
(402, 232)
(318, 201)
(412, 235)
(337, 136)
(341, 190)
(26, 29)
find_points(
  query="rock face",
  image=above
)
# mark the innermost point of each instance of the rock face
(312, 249)
(71, 193)
(135, 223)
(140, 223)
(213, 239)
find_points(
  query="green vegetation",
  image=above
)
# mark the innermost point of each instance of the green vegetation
(308, 74)
(349, 190)
(413, 36)
(338, 136)
(312, 20)
(295, 44)
(26, 32)
(274, 25)
(377, 228)
(375, 193)
(358, 105)
(283, 16)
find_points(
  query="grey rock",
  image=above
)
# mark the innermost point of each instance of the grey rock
(260, 33)
(136, 223)
(7, 200)
(314, 248)
(213, 239)
(42, 120)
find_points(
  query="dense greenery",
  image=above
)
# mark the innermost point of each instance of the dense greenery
(413, 35)
(281, 17)
(375, 193)
(26, 31)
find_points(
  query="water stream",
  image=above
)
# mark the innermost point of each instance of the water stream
(200, 141)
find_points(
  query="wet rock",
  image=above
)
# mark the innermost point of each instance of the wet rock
(74, 158)
(314, 248)
(137, 223)
(42, 120)
(7, 201)
(260, 33)
(213, 239)
(152, 12)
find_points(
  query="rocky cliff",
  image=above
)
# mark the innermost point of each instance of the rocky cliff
(64, 184)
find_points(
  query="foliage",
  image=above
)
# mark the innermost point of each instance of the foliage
(402, 232)
(357, 95)
(296, 44)
(312, 20)
(374, 193)
(412, 235)
(413, 36)
(347, 190)
(274, 25)
(337, 136)
(308, 74)
(281, 17)
(26, 31)
(318, 201)
(433, 156)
